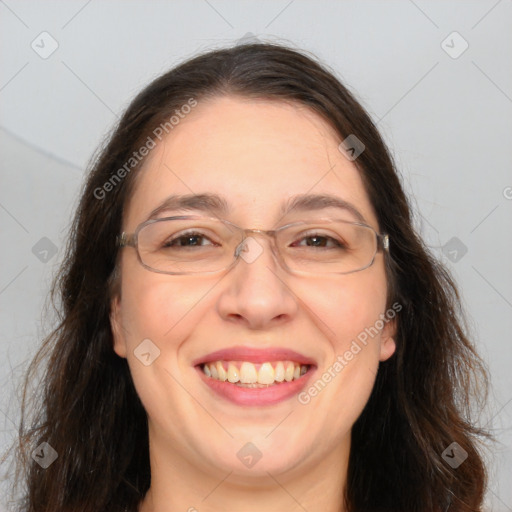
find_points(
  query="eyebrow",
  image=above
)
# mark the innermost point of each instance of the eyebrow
(213, 203)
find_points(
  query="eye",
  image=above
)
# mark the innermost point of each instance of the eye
(188, 239)
(319, 240)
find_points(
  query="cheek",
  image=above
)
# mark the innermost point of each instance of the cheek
(349, 313)
(345, 306)
(159, 307)
(165, 313)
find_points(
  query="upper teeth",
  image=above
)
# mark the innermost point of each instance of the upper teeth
(249, 373)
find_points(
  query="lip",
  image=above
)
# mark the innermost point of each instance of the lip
(256, 396)
(255, 355)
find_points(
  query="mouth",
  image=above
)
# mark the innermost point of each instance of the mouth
(255, 377)
(250, 375)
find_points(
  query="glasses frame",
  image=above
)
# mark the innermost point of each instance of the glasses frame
(131, 240)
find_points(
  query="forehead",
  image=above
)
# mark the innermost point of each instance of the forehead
(256, 154)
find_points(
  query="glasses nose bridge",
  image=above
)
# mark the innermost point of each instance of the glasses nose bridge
(265, 232)
(269, 233)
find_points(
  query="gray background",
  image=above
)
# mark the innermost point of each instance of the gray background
(447, 118)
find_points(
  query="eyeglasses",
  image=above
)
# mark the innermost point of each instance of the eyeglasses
(192, 244)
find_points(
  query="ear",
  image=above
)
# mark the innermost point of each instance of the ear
(387, 342)
(117, 327)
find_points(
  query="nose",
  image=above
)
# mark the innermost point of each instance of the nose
(257, 293)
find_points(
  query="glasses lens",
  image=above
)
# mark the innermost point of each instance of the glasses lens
(327, 246)
(193, 244)
(186, 245)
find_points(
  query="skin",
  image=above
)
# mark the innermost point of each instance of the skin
(256, 154)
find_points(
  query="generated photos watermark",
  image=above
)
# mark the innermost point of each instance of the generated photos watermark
(454, 455)
(249, 455)
(137, 156)
(147, 352)
(343, 360)
(44, 455)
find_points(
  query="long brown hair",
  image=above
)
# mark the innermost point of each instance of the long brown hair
(87, 408)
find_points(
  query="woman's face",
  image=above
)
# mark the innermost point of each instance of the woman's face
(257, 156)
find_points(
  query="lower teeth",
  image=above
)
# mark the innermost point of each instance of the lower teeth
(254, 385)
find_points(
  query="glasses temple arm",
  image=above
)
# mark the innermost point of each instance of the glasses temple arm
(125, 239)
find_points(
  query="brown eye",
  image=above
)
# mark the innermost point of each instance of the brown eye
(318, 240)
(192, 239)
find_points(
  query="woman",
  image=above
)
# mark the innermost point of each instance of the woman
(249, 320)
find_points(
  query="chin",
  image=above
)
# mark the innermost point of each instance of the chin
(255, 458)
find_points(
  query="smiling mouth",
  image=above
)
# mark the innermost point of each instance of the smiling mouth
(250, 375)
